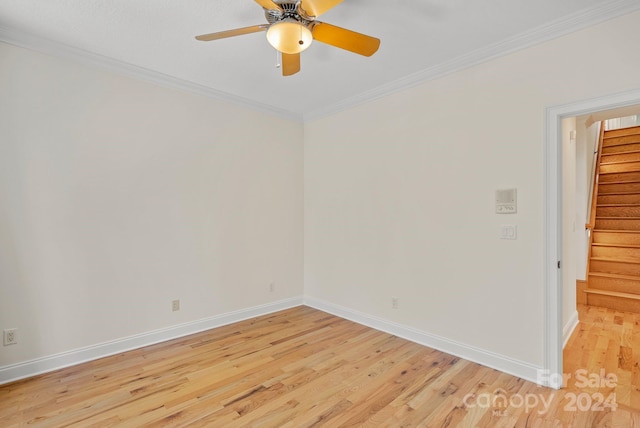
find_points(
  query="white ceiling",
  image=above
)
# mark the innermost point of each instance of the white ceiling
(420, 40)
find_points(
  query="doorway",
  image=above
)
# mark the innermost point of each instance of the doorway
(553, 223)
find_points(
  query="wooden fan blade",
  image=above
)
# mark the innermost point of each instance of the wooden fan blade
(290, 64)
(318, 7)
(269, 5)
(232, 33)
(345, 39)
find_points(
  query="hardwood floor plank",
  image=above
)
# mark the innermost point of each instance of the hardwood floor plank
(305, 368)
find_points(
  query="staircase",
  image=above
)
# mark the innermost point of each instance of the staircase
(614, 263)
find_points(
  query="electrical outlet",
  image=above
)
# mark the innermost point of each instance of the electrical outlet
(394, 303)
(10, 336)
(272, 287)
(175, 305)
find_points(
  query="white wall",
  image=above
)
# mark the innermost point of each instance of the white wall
(570, 226)
(117, 196)
(586, 142)
(399, 193)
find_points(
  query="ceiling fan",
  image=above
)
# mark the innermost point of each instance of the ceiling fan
(292, 26)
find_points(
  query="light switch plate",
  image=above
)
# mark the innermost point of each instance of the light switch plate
(508, 231)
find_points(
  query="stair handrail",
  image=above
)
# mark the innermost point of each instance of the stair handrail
(595, 181)
(594, 198)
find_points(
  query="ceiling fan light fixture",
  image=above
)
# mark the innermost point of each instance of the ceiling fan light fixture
(289, 36)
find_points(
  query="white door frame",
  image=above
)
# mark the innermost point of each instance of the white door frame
(553, 221)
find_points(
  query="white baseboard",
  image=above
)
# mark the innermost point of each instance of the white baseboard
(65, 359)
(54, 362)
(486, 358)
(569, 327)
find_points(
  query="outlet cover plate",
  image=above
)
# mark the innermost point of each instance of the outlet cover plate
(10, 337)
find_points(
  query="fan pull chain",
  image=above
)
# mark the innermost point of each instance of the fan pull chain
(278, 59)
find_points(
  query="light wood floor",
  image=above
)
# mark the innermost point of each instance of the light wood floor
(302, 368)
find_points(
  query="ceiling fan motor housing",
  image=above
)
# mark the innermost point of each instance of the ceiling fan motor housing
(289, 11)
(292, 26)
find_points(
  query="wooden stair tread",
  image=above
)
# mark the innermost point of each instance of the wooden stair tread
(615, 276)
(618, 155)
(627, 140)
(618, 181)
(615, 231)
(618, 205)
(616, 133)
(627, 171)
(610, 223)
(618, 211)
(624, 155)
(626, 176)
(629, 260)
(611, 198)
(596, 244)
(612, 293)
(621, 161)
(621, 153)
(620, 148)
(621, 193)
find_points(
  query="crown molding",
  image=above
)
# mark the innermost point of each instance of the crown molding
(560, 27)
(22, 39)
(565, 25)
